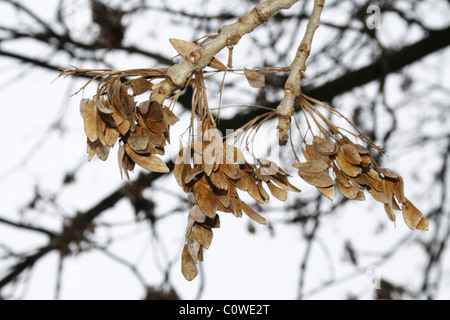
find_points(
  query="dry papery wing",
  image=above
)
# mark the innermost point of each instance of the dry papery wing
(141, 85)
(255, 79)
(414, 219)
(185, 48)
(188, 265)
(150, 162)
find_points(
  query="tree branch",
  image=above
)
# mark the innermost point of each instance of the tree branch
(228, 36)
(292, 88)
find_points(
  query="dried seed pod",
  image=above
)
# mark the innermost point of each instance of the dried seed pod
(312, 166)
(188, 265)
(255, 79)
(150, 162)
(196, 214)
(413, 217)
(317, 179)
(203, 235)
(206, 199)
(325, 146)
(219, 180)
(349, 192)
(327, 192)
(141, 85)
(252, 214)
(90, 121)
(348, 168)
(277, 192)
(350, 154)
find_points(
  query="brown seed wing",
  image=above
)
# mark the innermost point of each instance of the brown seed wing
(317, 179)
(90, 121)
(312, 166)
(324, 146)
(327, 192)
(203, 235)
(253, 214)
(141, 85)
(206, 199)
(348, 168)
(188, 266)
(350, 154)
(278, 193)
(413, 217)
(150, 162)
(255, 79)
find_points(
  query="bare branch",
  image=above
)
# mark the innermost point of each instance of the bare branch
(292, 88)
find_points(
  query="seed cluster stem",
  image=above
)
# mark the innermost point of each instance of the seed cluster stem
(292, 88)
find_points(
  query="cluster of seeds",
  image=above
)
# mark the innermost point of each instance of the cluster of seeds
(212, 174)
(355, 170)
(143, 129)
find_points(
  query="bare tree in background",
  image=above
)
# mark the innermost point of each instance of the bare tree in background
(379, 63)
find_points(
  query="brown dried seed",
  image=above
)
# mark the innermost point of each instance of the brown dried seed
(283, 182)
(240, 183)
(324, 146)
(312, 166)
(124, 126)
(424, 225)
(194, 249)
(231, 170)
(348, 192)
(253, 214)
(90, 121)
(361, 149)
(111, 136)
(255, 79)
(138, 142)
(219, 180)
(313, 154)
(389, 174)
(170, 117)
(141, 85)
(262, 175)
(224, 199)
(349, 153)
(185, 48)
(317, 179)
(341, 177)
(360, 196)
(96, 148)
(203, 235)
(197, 214)
(150, 162)
(327, 192)
(253, 187)
(102, 105)
(188, 267)
(277, 192)
(413, 217)
(192, 174)
(347, 167)
(237, 206)
(206, 199)
(380, 196)
(366, 161)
